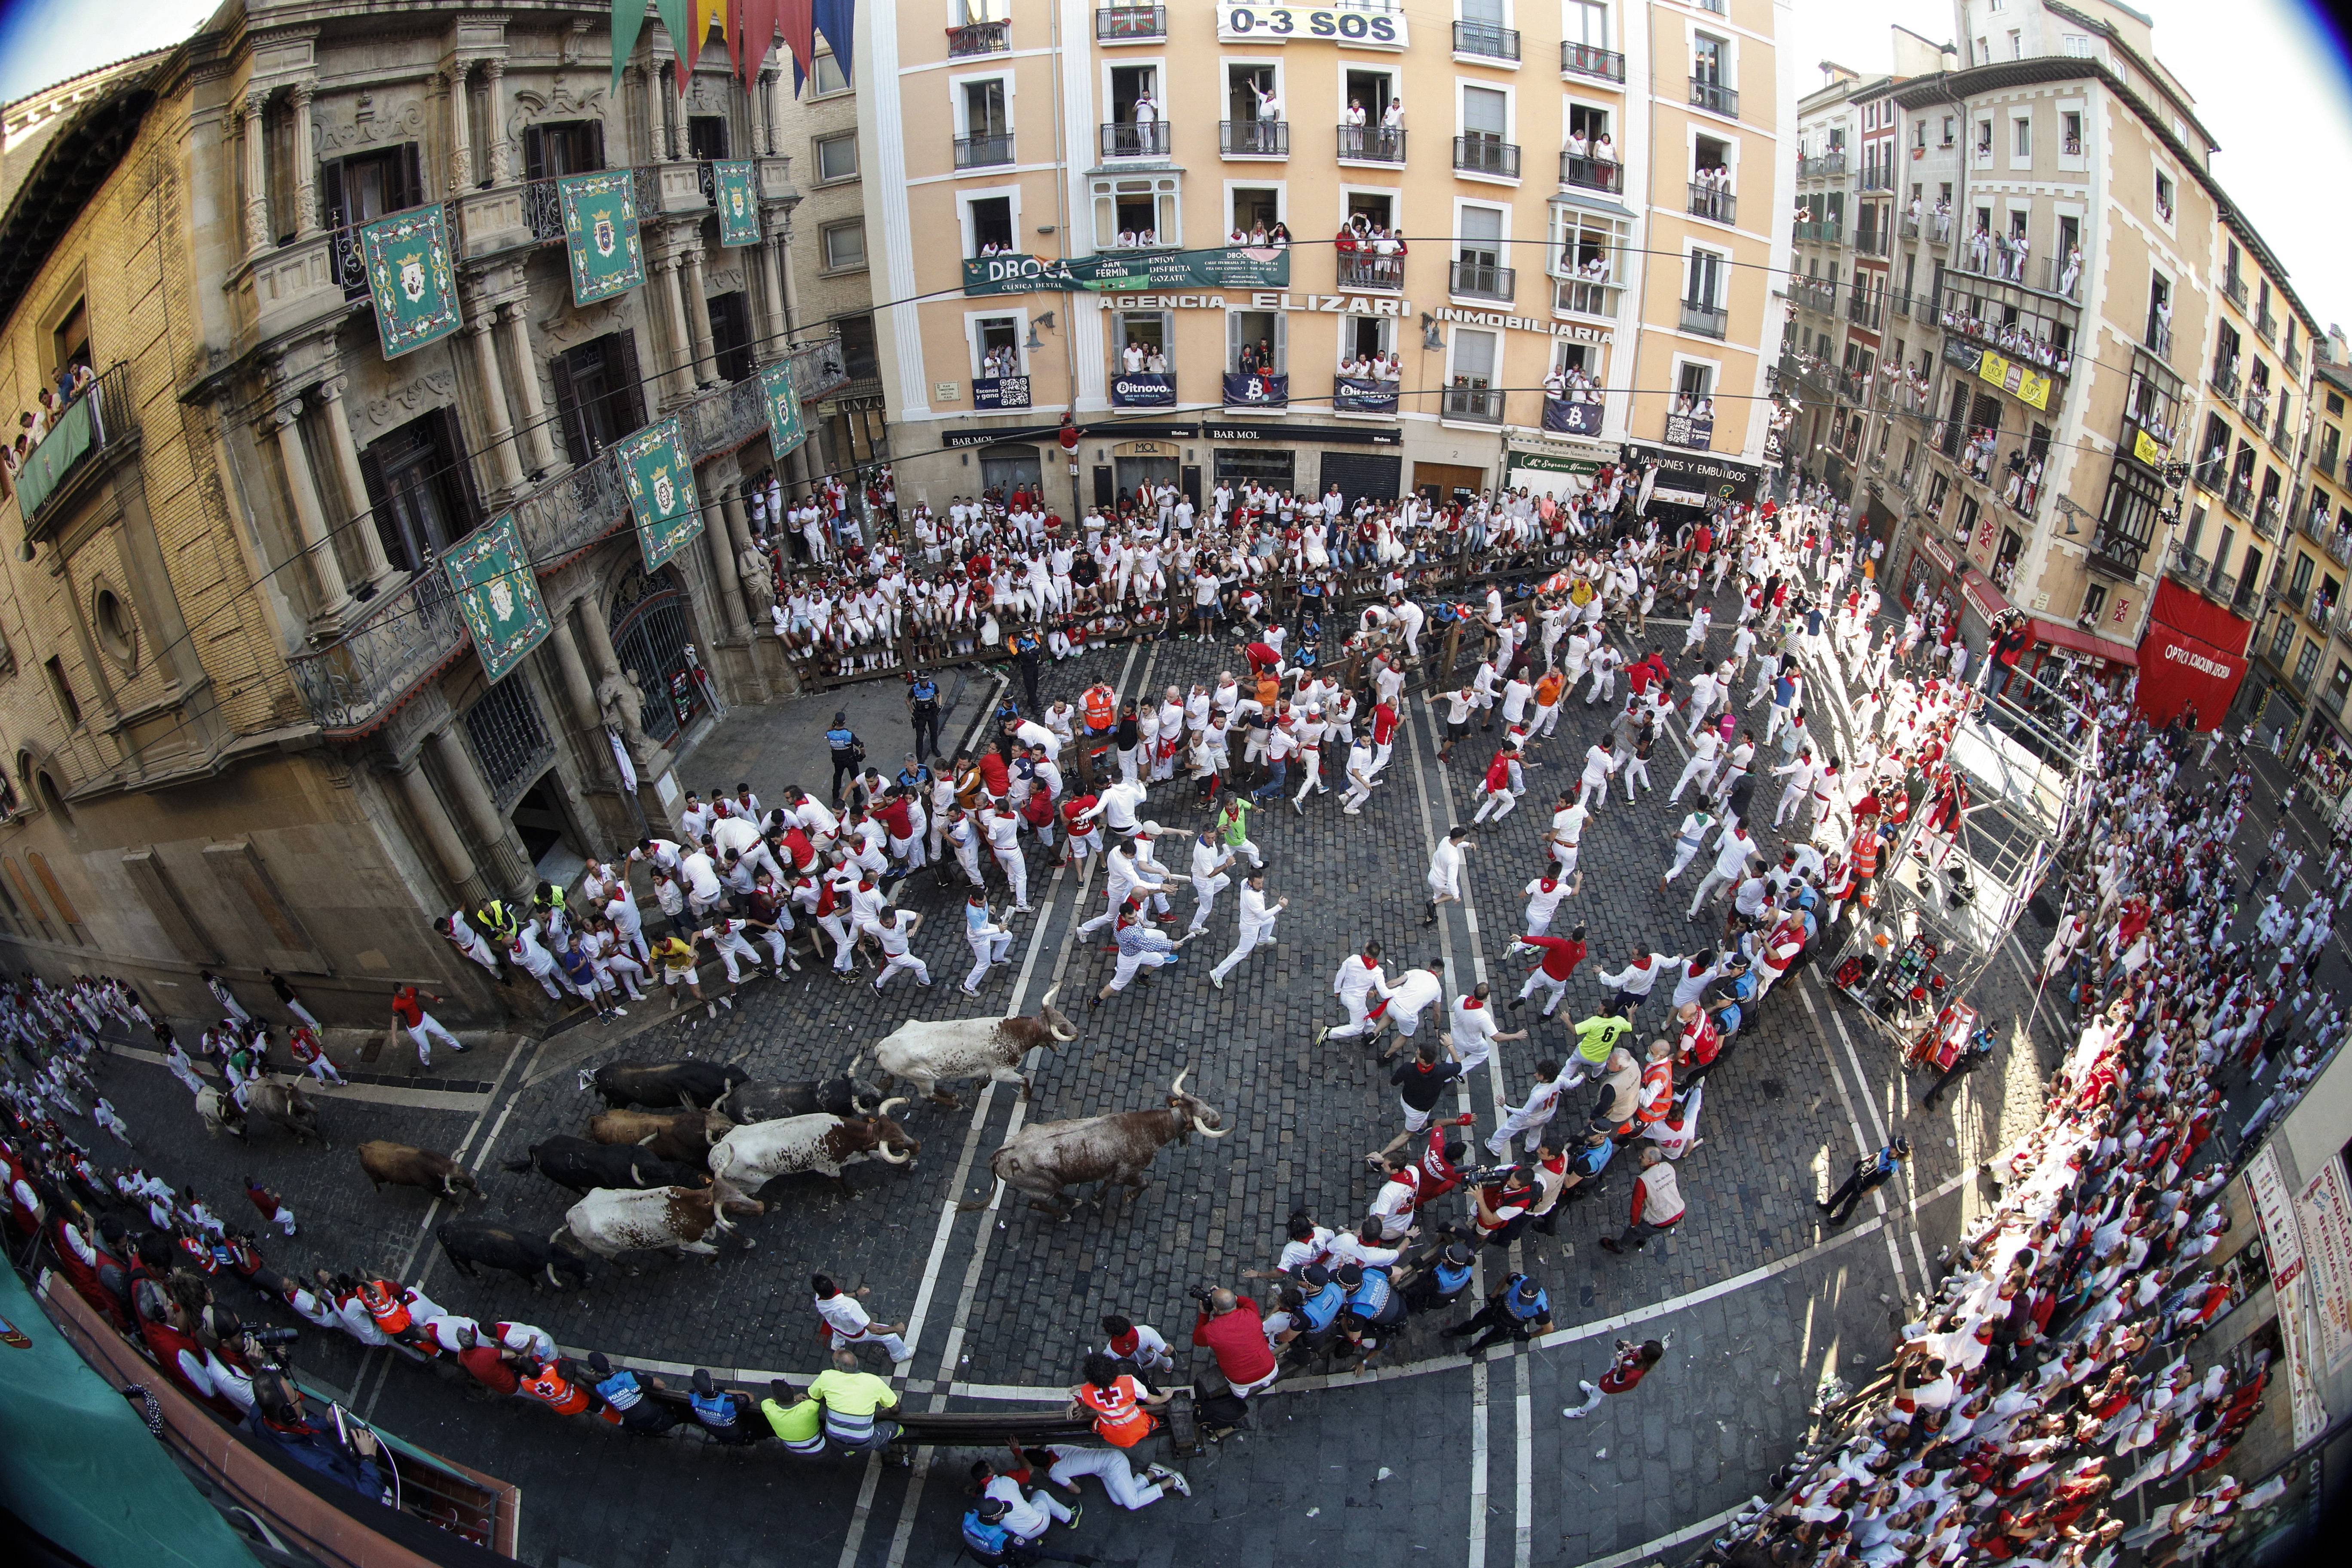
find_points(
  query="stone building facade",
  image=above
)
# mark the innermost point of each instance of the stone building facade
(242, 721)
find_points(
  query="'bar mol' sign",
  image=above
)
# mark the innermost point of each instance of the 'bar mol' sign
(1367, 24)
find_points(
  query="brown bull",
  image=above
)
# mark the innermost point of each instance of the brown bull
(402, 1166)
(685, 1136)
(1115, 1149)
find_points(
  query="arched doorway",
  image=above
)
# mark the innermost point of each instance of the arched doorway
(652, 624)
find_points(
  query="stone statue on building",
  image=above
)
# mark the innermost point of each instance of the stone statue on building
(622, 704)
(758, 579)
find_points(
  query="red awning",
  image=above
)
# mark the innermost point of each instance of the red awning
(1933, 549)
(2058, 635)
(1977, 589)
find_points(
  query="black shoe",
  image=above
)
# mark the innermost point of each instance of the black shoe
(1609, 1244)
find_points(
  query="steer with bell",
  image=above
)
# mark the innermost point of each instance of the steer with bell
(1042, 1159)
(819, 1145)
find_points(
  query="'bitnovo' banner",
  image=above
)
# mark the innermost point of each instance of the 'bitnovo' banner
(660, 479)
(738, 201)
(600, 229)
(1354, 395)
(407, 258)
(1131, 272)
(1138, 391)
(1571, 418)
(1253, 390)
(497, 593)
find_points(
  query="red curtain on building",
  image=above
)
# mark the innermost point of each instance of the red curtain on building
(2193, 650)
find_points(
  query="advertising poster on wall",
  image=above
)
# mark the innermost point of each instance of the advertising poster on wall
(1258, 390)
(1129, 272)
(1354, 395)
(996, 392)
(1136, 390)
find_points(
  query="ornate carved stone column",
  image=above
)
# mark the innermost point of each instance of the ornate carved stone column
(501, 145)
(256, 171)
(449, 844)
(493, 400)
(577, 688)
(306, 164)
(309, 517)
(490, 829)
(773, 296)
(763, 110)
(539, 432)
(697, 315)
(461, 141)
(718, 536)
(364, 526)
(598, 636)
(683, 369)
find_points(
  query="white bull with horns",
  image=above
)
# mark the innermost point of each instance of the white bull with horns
(927, 1055)
(1114, 1150)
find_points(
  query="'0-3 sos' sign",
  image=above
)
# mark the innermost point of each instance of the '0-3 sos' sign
(1328, 24)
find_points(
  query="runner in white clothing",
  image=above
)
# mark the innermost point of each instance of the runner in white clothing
(1357, 983)
(1257, 926)
(849, 1325)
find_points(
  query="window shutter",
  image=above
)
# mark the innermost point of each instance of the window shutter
(330, 193)
(1281, 344)
(594, 147)
(451, 438)
(378, 501)
(1233, 340)
(412, 175)
(622, 375)
(576, 447)
(534, 152)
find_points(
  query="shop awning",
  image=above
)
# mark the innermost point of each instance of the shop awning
(1934, 550)
(2057, 636)
(1977, 589)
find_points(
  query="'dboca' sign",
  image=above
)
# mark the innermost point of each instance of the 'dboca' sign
(1309, 24)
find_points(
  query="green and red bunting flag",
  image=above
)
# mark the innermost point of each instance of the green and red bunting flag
(406, 255)
(498, 594)
(786, 429)
(600, 229)
(662, 498)
(750, 28)
(734, 191)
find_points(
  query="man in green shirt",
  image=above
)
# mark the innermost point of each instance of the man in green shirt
(1233, 827)
(851, 1399)
(797, 1420)
(1595, 1038)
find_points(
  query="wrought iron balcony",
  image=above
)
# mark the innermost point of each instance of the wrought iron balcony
(2054, 279)
(2233, 289)
(92, 433)
(1820, 166)
(1708, 320)
(2115, 556)
(2255, 405)
(1371, 144)
(1130, 24)
(1483, 153)
(2225, 379)
(1253, 138)
(1358, 270)
(978, 151)
(1488, 39)
(2240, 499)
(404, 640)
(1586, 296)
(1713, 203)
(1593, 174)
(1820, 231)
(1483, 281)
(2266, 327)
(1481, 404)
(979, 38)
(1715, 98)
(1149, 140)
(1584, 59)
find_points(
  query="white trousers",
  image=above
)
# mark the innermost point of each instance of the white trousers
(899, 960)
(1693, 772)
(1252, 933)
(1129, 964)
(1357, 1024)
(987, 948)
(1110, 1464)
(1554, 989)
(1016, 873)
(1206, 890)
(424, 1031)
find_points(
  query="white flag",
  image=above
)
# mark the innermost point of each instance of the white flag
(621, 760)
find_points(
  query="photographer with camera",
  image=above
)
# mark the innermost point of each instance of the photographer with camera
(1228, 1325)
(339, 1448)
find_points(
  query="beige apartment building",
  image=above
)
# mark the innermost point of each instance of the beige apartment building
(1053, 191)
(2052, 352)
(242, 720)
(2302, 656)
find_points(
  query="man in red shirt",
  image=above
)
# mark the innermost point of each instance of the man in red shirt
(486, 1364)
(1229, 1326)
(1561, 954)
(1699, 1044)
(409, 1014)
(1633, 1364)
(1384, 729)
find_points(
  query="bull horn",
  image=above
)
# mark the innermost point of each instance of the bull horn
(884, 1109)
(586, 1077)
(882, 1153)
(1048, 1000)
(1177, 1086)
(1205, 1131)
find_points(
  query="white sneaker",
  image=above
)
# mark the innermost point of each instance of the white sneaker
(1173, 1479)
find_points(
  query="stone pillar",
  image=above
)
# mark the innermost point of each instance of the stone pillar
(540, 430)
(683, 368)
(763, 110)
(598, 636)
(698, 316)
(501, 145)
(494, 399)
(256, 171)
(577, 687)
(779, 323)
(732, 508)
(306, 166)
(347, 471)
(461, 141)
(473, 794)
(309, 517)
(449, 844)
(717, 535)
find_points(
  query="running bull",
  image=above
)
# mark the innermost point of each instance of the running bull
(819, 1145)
(925, 1055)
(584, 1165)
(402, 1166)
(772, 1100)
(665, 1219)
(695, 1085)
(685, 1136)
(1042, 1159)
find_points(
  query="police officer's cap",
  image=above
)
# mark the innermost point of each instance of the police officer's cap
(1528, 1290)
(991, 1508)
(1457, 1254)
(1315, 1274)
(702, 1380)
(1351, 1274)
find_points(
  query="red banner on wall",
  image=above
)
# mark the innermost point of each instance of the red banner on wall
(2193, 650)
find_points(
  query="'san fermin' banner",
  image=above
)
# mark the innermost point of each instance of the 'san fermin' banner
(498, 594)
(416, 290)
(738, 201)
(661, 480)
(600, 230)
(786, 429)
(1131, 272)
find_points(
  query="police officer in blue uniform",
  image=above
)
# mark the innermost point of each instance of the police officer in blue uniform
(923, 710)
(1441, 1274)
(848, 754)
(722, 1412)
(1321, 1300)
(625, 1392)
(1519, 1309)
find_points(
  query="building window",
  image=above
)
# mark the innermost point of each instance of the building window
(2164, 197)
(1474, 359)
(62, 689)
(843, 246)
(1588, 24)
(991, 220)
(1143, 213)
(2128, 514)
(2069, 126)
(2077, 46)
(2308, 664)
(828, 74)
(2094, 601)
(2021, 136)
(563, 147)
(359, 189)
(996, 346)
(836, 157)
(598, 393)
(731, 335)
(706, 137)
(858, 357)
(420, 489)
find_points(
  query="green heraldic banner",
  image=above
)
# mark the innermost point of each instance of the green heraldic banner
(498, 594)
(407, 260)
(600, 227)
(661, 490)
(739, 205)
(1131, 272)
(786, 428)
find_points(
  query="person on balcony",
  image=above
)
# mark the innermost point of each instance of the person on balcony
(1604, 151)
(1578, 145)
(1278, 233)
(2072, 271)
(1144, 113)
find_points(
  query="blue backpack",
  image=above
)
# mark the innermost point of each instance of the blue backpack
(990, 1540)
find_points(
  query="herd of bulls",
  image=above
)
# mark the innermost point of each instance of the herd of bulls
(682, 1149)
